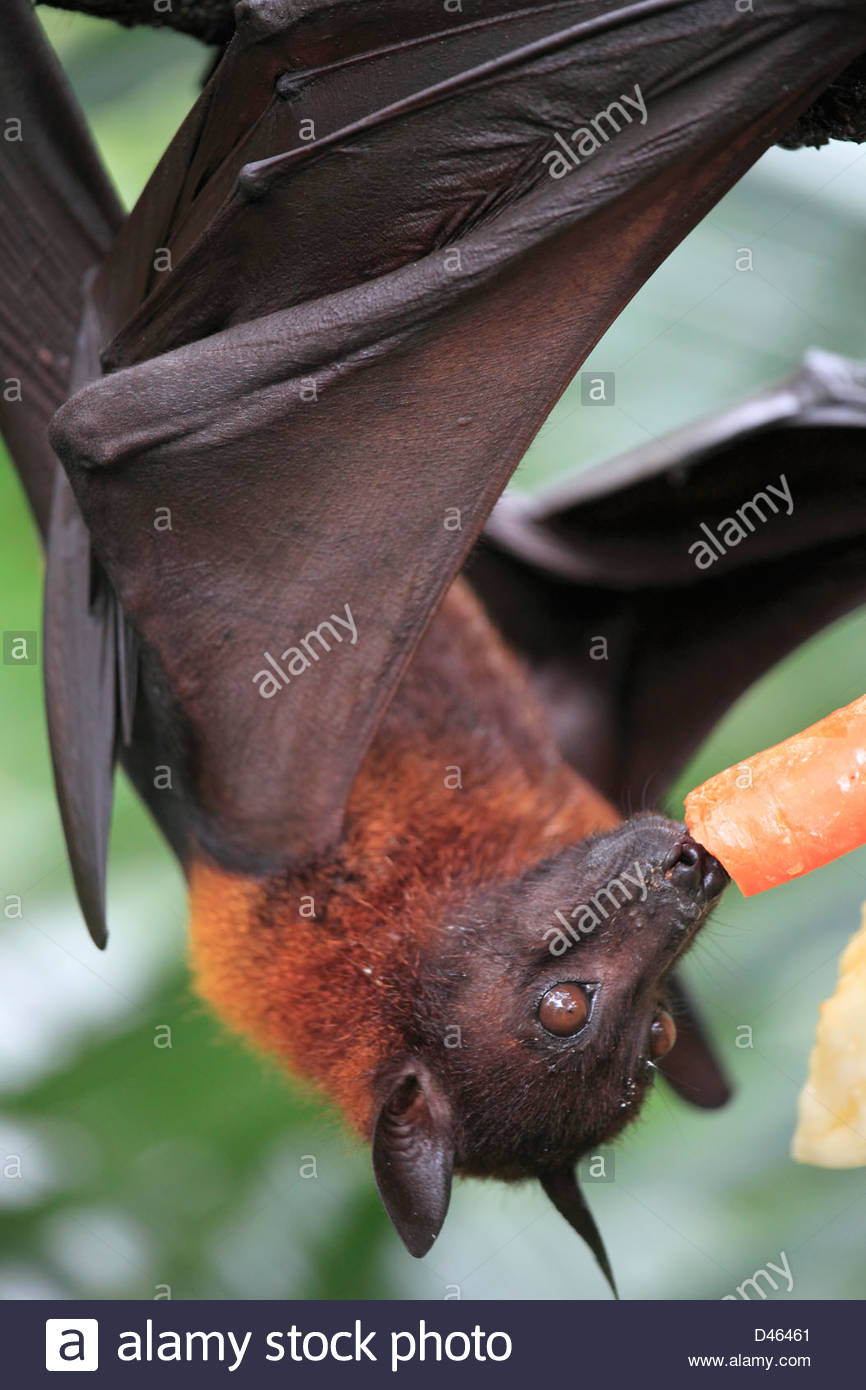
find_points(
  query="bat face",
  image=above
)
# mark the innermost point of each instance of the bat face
(539, 1020)
(555, 1006)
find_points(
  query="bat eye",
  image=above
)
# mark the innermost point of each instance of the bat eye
(663, 1034)
(564, 1009)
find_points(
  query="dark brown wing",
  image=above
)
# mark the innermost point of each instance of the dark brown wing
(693, 1067)
(363, 331)
(58, 215)
(408, 139)
(641, 624)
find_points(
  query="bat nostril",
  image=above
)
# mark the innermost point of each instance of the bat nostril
(689, 855)
(683, 862)
(694, 869)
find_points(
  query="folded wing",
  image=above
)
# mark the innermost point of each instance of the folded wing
(365, 321)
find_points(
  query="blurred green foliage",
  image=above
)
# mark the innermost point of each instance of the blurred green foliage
(130, 1168)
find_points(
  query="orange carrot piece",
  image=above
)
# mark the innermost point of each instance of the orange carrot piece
(789, 809)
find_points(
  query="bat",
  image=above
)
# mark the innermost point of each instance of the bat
(262, 422)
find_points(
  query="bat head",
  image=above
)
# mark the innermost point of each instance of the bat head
(541, 1018)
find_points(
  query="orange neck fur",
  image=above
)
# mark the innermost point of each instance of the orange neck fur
(462, 786)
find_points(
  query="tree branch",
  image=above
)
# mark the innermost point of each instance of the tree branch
(838, 114)
(212, 21)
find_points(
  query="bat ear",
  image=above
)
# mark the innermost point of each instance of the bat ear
(564, 1192)
(692, 1067)
(413, 1156)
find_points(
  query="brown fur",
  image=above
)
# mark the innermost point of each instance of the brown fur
(329, 993)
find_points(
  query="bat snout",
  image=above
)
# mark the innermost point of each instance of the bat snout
(693, 870)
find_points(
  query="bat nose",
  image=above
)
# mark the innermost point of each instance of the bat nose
(693, 869)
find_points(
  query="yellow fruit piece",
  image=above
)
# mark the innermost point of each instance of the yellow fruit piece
(831, 1126)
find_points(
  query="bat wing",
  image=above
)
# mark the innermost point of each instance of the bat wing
(58, 215)
(649, 593)
(693, 1067)
(392, 136)
(361, 325)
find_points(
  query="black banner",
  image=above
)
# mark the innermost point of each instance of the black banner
(424, 1344)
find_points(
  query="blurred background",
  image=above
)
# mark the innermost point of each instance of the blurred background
(146, 1154)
